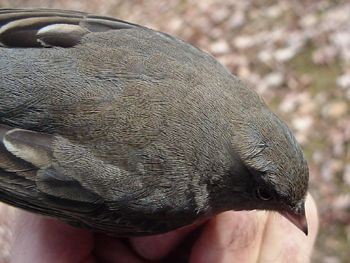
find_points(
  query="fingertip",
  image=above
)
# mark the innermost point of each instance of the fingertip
(312, 218)
(156, 247)
(110, 249)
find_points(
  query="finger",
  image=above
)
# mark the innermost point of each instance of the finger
(39, 239)
(6, 218)
(283, 241)
(231, 237)
(113, 250)
(157, 246)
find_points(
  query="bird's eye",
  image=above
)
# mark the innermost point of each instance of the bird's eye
(263, 194)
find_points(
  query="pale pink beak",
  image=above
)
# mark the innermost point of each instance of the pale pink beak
(298, 218)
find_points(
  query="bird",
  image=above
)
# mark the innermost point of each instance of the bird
(117, 128)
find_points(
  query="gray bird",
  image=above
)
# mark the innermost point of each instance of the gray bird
(120, 129)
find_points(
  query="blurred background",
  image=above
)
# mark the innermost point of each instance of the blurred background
(296, 54)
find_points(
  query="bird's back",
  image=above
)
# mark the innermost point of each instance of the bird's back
(112, 69)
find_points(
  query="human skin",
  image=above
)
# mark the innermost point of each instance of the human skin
(245, 236)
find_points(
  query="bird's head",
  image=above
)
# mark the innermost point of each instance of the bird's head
(268, 170)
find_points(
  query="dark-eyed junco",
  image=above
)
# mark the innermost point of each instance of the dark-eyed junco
(117, 128)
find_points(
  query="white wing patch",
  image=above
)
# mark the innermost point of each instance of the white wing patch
(34, 155)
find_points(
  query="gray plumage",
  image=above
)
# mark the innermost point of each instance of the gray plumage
(117, 128)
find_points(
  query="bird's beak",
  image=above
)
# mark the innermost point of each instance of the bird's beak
(297, 217)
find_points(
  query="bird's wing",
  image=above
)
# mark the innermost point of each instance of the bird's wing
(27, 178)
(77, 188)
(49, 27)
(31, 178)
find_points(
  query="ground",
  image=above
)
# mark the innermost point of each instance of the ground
(296, 54)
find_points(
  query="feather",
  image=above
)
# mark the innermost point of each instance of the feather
(46, 28)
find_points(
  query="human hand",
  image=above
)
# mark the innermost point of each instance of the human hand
(245, 236)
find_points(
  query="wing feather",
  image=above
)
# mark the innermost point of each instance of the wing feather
(49, 27)
(27, 156)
